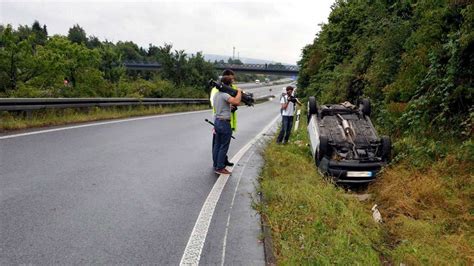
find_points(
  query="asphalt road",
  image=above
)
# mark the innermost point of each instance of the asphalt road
(253, 85)
(264, 90)
(118, 193)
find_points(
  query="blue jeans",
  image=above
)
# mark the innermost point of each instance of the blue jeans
(213, 142)
(221, 143)
(285, 131)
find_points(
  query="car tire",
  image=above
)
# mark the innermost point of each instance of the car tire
(312, 107)
(322, 150)
(386, 149)
(365, 107)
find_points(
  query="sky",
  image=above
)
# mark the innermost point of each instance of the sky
(270, 30)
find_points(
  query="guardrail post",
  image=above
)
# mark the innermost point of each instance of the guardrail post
(28, 114)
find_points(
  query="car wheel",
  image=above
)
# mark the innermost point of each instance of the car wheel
(365, 107)
(312, 107)
(386, 152)
(322, 150)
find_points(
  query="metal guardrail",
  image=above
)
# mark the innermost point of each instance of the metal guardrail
(25, 104)
(28, 104)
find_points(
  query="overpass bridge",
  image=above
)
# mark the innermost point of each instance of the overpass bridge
(285, 70)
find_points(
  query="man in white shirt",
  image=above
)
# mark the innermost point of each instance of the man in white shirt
(287, 112)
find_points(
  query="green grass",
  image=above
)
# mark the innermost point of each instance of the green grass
(426, 198)
(311, 220)
(55, 117)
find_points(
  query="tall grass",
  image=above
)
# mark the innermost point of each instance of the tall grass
(54, 117)
(427, 199)
(311, 220)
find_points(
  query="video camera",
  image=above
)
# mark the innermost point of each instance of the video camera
(292, 99)
(247, 97)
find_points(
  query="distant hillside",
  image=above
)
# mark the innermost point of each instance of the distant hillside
(245, 60)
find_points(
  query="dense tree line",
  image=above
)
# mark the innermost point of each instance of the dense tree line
(34, 64)
(413, 59)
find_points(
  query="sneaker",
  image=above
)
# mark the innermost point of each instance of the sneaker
(227, 163)
(222, 171)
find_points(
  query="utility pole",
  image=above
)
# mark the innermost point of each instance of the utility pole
(238, 55)
(233, 54)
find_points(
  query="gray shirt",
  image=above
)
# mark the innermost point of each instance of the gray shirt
(221, 105)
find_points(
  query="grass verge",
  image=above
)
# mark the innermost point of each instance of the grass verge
(55, 117)
(426, 198)
(311, 220)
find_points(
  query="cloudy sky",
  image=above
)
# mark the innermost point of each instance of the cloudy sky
(271, 30)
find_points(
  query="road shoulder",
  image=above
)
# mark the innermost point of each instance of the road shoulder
(235, 235)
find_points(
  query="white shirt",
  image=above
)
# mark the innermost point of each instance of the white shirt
(290, 109)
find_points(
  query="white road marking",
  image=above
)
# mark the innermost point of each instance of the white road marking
(97, 124)
(192, 252)
(224, 242)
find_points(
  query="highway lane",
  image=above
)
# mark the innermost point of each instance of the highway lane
(124, 193)
(267, 90)
(253, 85)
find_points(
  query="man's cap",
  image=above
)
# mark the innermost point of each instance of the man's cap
(289, 88)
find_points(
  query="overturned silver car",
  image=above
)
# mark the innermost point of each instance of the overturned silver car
(344, 143)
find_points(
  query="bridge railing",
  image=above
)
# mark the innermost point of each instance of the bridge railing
(244, 67)
(258, 66)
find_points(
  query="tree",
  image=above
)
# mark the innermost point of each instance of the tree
(73, 58)
(41, 33)
(111, 62)
(165, 57)
(183, 70)
(23, 32)
(93, 42)
(33, 65)
(16, 58)
(200, 71)
(129, 51)
(415, 56)
(77, 35)
(152, 51)
(234, 61)
(180, 68)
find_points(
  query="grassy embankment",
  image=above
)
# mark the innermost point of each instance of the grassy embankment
(427, 209)
(312, 221)
(427, 200)
(57, 117)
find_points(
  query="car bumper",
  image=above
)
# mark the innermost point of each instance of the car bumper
(351, 171)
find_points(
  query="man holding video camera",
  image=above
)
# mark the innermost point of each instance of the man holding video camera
(233, 114)
(222, 104)
(287, 102)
